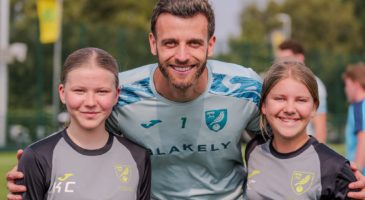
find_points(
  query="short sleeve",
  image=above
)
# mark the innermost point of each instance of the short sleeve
(145, 183)
(344, 177)
(112, 123)
(359, 116)
(35, 175)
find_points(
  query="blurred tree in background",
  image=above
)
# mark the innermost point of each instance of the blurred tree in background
(323, 26)
(360, 14)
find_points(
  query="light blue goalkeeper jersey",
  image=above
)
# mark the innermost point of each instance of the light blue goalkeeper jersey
(195, 146)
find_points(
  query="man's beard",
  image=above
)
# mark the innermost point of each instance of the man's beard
(186, 85)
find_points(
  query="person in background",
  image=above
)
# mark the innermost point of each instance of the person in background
(354, 79)
(188, 111)
(85, 161)
(318, 125)
(288, 163)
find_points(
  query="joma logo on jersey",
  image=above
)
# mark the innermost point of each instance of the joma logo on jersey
(65, 177)
(151, 123)
(216, 119)
(301, 182)
(63, 184)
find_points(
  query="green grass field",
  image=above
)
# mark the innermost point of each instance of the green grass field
(8, 160)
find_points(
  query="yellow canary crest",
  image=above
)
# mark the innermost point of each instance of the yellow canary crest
(123, 172)
(301, 182)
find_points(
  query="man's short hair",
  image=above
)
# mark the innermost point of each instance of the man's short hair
(292, 45)
(355, 72)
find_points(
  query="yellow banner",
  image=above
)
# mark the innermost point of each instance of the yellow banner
(49, 20)
(277, 37)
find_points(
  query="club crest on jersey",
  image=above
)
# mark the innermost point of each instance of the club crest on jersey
(301, 182)
(122, 172)
(216, 119)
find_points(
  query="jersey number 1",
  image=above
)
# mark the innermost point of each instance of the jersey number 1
(183, 119)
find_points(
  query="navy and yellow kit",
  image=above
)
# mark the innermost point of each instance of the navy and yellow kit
(312, 172)
(56, 168)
